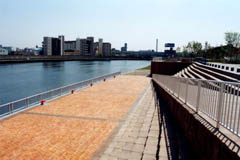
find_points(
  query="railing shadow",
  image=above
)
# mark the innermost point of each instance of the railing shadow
(176, 144)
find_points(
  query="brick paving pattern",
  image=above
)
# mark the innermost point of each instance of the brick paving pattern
(139, 137)
(75, 126)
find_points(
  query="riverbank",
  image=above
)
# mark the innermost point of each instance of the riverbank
(29, 59)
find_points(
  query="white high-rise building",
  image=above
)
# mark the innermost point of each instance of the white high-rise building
(47, 46)
(100, 46)
(61, 45)
(78, 42)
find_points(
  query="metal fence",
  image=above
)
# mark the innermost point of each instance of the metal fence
(218, 100)
(25, 103)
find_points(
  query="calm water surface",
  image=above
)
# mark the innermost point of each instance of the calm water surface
(22, 80)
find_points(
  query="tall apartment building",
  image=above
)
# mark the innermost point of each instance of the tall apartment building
(61, 38)
(53, 46)
(100, 46)
(47, 46)
(87, 46)
(107, 51)
(78, 42)
(90, 41)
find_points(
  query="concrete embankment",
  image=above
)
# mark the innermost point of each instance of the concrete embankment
(206, 140)
(27, 59)
(168, 68)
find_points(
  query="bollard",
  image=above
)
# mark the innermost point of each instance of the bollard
(42, 102)
(73, 91)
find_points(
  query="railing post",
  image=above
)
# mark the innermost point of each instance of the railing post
(51, 94)
(9, 108)
(39, 98)
(198, 95)
(27, 102)
(186, 96)
(220, 103)
(179, 87)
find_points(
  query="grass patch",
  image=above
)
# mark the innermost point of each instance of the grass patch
(145, 68)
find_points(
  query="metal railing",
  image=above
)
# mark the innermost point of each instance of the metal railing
(218, 100)
(25, 103)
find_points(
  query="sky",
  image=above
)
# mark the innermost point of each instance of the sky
(24, 23)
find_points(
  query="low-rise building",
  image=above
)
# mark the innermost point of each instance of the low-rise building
(69, 46)
(3, 51)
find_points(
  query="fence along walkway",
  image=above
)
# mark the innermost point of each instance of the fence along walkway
(32, 101)
(218, 100)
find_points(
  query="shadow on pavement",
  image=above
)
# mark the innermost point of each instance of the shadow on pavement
(176, 144)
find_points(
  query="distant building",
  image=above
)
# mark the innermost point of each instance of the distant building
(3, 51)
(87, 46)
(106, 49)
(53, 46)
(116, 52)
(10, 49)
(124, 49)
(90, 41)
(69, 46)
(100, 46)
(78, 44)
(61, 38)
(96, 46)
(84, 50)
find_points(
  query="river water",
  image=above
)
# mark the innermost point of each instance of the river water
(22, 80)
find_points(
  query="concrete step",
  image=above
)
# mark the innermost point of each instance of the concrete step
(224, 76)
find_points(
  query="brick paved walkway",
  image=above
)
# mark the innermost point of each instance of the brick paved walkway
(139, 136)
(74, 126)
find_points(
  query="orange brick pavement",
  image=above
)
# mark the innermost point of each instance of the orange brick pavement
(49, 132)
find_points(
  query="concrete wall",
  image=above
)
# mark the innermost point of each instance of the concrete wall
(168, 68)
(202, 139)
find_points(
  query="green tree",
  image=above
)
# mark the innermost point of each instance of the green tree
(194, 48)
(178, 49)
(232, 38)
(185, 51)
(207, 46)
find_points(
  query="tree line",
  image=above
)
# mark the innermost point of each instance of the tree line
(228, 52)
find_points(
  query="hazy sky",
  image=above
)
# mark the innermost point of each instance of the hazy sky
(23, 23)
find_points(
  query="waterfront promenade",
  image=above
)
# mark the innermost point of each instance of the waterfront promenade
(74, 126)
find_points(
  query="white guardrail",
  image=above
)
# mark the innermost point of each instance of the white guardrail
(218, 100)
(11, 108)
